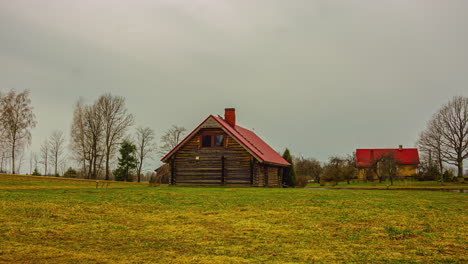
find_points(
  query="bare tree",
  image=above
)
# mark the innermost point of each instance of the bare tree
(348, 168)
(30, 163)
(145, 146)
(116, 120)
(34, 157)
(45, 155)
(19, 164)
(171, 138)
(387, 167)
(4, 154)
(56, 147)
(17, 119)
(332, 170)
(430, 141)
(94, 136)
(80, 147)
(310, 168)
(451, 122)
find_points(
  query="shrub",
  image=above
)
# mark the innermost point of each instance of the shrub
(289, 173)
(301, 181)
(36, 173)
(70, 173)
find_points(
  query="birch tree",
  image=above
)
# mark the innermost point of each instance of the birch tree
(17, 119)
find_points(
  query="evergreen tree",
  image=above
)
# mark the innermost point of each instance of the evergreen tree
(127, 161)
(289, 173)
(36, 173)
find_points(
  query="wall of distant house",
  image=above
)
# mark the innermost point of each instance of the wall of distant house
(403, 171)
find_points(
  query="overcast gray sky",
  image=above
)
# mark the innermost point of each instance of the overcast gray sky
(321, 77)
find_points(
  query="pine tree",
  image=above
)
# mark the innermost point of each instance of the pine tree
(289, 173)
(127, 161)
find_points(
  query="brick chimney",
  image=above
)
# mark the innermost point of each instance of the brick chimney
(400, 147)
(230, 116)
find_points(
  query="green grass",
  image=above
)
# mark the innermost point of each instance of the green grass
(63, 221)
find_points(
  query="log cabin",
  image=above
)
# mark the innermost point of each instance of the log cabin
(221, 153)
(407, 159)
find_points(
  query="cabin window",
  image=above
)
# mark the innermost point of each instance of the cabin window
(212, 141)
(206, 141)
(219, 141)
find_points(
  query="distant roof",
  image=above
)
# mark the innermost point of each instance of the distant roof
(248, 139)
(406, 156)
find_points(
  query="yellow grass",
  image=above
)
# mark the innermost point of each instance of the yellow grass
(70, 221)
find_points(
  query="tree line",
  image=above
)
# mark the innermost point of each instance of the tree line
(444, 141)
(99, 131)
(442, 144)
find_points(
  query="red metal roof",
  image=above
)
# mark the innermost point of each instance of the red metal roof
(245, 137)
(254, 143)
(406, 156)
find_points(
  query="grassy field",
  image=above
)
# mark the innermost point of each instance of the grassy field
(397, 184)
(50, 220)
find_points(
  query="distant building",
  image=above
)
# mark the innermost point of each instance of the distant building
(220, 152)
(407, 159)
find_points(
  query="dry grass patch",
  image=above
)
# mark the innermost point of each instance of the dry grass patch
(139, 224)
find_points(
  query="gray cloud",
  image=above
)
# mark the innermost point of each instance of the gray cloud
(320, 77)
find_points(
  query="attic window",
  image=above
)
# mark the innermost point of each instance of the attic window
(212, 141)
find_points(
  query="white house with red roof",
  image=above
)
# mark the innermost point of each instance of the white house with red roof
(220, 152)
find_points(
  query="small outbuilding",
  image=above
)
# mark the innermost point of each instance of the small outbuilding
(219, 152)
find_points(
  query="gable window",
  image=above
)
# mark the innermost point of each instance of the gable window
(218, 140)
(212, 141)
(206, 141)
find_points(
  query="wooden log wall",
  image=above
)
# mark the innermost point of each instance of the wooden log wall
(268, 175)
(208, 168)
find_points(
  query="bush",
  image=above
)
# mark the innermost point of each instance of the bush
(431, 173)
(36, 173)
(448, 175)
(301, 181)
(289, 173)
(70, 173)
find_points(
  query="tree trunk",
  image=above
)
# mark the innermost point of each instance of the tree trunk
(1, 165)
(441, 169)
(84, 167)
(45, 166)
(56, 163)
(90, 168)
(460, 169)
(107, 164)
(13, 159)
(139, 170)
